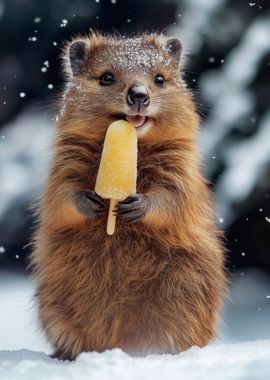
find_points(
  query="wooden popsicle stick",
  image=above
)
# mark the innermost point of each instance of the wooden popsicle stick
(111, 217)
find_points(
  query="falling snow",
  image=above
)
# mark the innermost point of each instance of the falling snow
(64, 23)
(22, 94)
(37, 20)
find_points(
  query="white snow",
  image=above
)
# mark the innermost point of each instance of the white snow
(18, 323)
(23, 347)
(227, 91)
(24, 157)
(247, 161)
(247, 361)
(64, 23)
(37, 20)
(226, 88)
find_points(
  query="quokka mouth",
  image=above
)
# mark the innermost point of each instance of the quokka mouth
(136, 120)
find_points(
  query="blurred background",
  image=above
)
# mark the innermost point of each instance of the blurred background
(227, 43)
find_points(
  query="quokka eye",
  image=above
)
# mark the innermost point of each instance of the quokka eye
(106, 79)
(159, 80)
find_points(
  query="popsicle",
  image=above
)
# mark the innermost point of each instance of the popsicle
(117, 172)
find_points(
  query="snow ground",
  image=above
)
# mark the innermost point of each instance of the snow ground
(242, 352)
(249, 361)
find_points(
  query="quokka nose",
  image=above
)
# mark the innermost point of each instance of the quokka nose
(138, 95)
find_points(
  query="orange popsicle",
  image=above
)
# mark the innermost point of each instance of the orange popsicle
(117, 172)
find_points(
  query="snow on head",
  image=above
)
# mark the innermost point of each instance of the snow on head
(133, 54)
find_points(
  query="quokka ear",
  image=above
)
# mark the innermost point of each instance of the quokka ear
(174, 47)
(78, 52)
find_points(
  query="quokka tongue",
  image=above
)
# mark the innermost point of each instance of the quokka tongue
(137, 120)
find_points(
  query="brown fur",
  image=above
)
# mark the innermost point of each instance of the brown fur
(155, 285)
